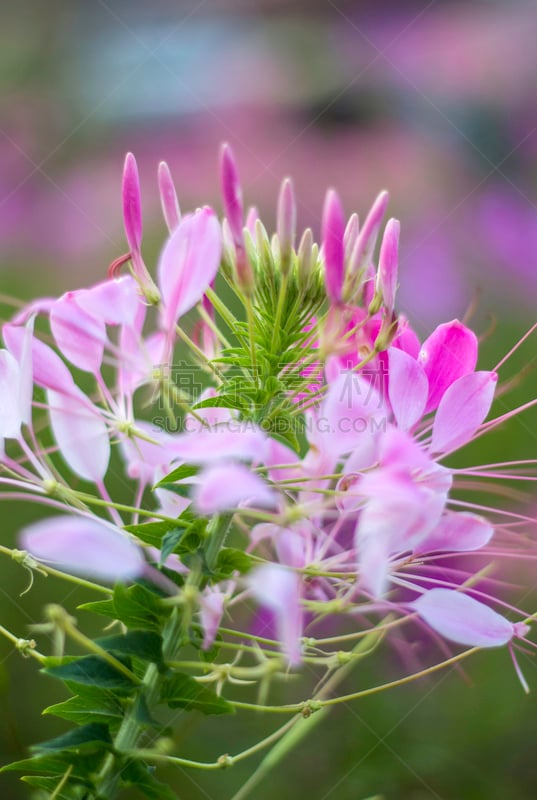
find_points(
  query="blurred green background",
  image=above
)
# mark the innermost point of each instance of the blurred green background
(432, 100)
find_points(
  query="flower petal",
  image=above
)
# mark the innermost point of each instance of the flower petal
(333, 231)
(408, 388)
(83, 547)
(80, 432)
(226, 486)
(462, 409)
(79, 336)
(458, 532)
(449, 353)
(188, 264)
(278, 589)
(463, 620)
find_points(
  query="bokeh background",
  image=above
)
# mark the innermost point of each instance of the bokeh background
(436, 101)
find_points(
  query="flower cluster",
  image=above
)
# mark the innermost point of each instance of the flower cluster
(264, 393)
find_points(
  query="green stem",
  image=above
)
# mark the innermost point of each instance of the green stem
(131, 729)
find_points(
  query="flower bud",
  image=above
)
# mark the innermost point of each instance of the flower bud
(168, 197)
(333, 229)
(286, 222)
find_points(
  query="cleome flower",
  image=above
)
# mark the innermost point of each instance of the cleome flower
(312, 423)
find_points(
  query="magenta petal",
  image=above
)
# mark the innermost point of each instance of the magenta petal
(333, 231)
(460, 618)
(449, 353)
(462, 409)
(388, 263)
(367, 238)
(188, 264)
(83, 547)
(458, 532)
(132, 203)
(78, 335)
(278, 589)
(80, 432)
(226, 486)
(408, 388)
(232, 193)
(168, 197)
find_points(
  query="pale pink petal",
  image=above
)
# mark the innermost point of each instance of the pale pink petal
(351, 416)
(458, 532)
(80, 433)
(278, 589)
(26, 382)
(10, 412)
(114, 302)
(408, 388)
(226, 486)
(49, 371)
(463, 620)
(211, 612)
(79, 336)
(188, 264)
(227, 440)
(462, 409)
(333, 231)
(449, 353)
(83, 547)
(373, 555)
(352, 231)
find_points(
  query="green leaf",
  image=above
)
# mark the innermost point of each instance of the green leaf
(143, 715)
(93, 705)
(138, 607)
(178, 474)
(89, 737)
(104, 607)
(90, 671)
(169, 543)
(182, 691)
(231, 560)
(83, 764)
(152, 533)
(146, 645)
(135, 773)
(70, 790)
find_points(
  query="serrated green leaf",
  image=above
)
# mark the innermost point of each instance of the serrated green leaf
(90, 671)
(146, 645)
(182, 691)
(105, 708)
(137, 607)
(88, 737)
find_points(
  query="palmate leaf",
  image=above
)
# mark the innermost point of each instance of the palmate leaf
(83, 764)
(182, 691)
(104, 607)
